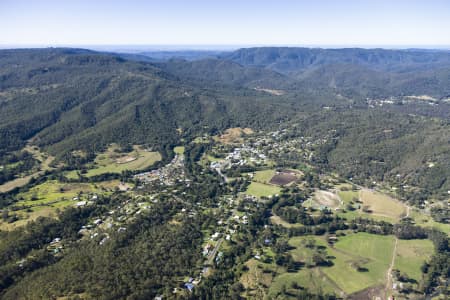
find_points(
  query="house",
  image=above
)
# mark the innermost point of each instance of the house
(189, 286)
(332, 239)
(56, 240)
(206, 249)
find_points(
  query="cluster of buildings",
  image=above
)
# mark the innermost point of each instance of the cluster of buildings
(170, 174)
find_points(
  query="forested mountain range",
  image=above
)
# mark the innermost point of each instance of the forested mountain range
(151, 177)
(68, 99)
(76, 99)
(291, 59)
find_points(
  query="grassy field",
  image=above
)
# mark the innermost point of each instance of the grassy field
(411, 254)
(25, 217)
(263, 176)
(44, 199)
(279, 221)
(382, 205)
(52, 191)
(427, 221)
(179, 150)
(348, 196)
(309, 278)
(112, 161)
(260, 189)
(372, 252)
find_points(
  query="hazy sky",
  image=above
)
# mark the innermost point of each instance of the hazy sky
(232, 22)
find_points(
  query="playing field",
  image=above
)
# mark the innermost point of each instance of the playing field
(262, 190)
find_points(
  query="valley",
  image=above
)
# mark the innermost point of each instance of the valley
(321, 232)
(252, 174)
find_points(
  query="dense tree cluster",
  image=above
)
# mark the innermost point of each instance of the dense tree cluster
(16, 164)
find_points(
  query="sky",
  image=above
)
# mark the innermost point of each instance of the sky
(398, 23)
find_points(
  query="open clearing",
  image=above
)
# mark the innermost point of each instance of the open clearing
(306, 278)
(283, 178)
(18, 182)
(262, 190)
(371, 204)
(178, 150)
(263, 176)
(45, 161)
(370, 253)
(348, 196)
(271, 176)
(25, 217)
(53, 191)
(410, 256)
(326, 199)
(427, 221)
(382, 205)
(255, 278)
(44, 199)
(233, 135)
(113, 161)
(277, 220)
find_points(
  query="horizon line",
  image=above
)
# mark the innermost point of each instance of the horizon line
(218, 47)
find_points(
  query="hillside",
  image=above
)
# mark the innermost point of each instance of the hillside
(356, 72)
(70, 99)
(225, 72)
